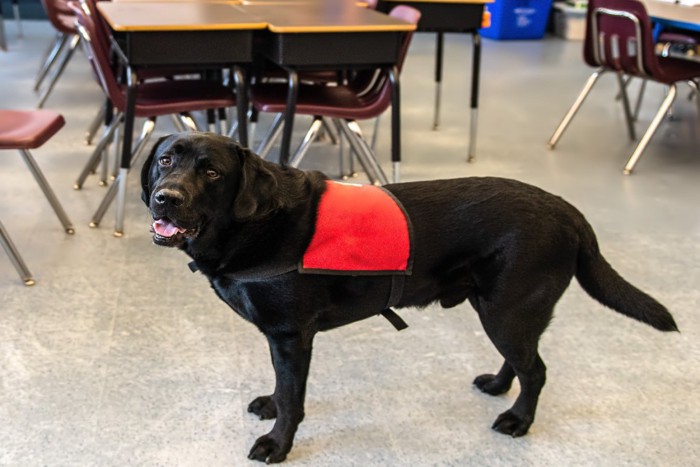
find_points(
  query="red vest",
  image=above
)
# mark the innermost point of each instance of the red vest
(360, 229)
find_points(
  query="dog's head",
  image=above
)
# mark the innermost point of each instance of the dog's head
(195, 182)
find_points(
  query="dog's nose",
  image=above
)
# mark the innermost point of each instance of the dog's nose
(168, 196)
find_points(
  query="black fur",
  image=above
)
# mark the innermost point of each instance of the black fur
(509, 248)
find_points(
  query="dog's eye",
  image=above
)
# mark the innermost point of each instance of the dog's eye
(213, 174)
(165, 161)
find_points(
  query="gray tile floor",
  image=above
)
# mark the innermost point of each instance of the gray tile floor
(120, 356)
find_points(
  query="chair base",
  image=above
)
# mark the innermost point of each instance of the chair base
(630, 117)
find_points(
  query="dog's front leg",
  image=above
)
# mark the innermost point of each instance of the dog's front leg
(291, 356)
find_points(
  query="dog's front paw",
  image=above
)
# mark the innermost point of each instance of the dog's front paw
(490, 384)
(264, 407)
(509, 423)
(268, 450)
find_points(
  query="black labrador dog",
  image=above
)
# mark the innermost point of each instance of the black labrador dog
(508, 248)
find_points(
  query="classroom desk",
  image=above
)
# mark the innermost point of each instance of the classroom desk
(674, 15)
(207, 34)
(186, 34)
(330, 36)
(441, 16)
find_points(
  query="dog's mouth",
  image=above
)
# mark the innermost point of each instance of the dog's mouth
(168, 233)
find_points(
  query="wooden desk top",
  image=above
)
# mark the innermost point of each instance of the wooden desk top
(301, 2)
(179, 16)
(673, 11)
(408, 2)
(188, 15)
(326, 17)
(231, 2)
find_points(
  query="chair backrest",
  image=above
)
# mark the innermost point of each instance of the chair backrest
(97, 47)
(619, 37)
(378, 95)
(57, 11)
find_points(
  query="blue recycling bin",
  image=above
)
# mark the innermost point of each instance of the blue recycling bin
(517, 19)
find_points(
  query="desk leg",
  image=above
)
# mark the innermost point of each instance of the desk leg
(3, 41)
(292, 94)
(129, 112)
(438, 78)
(395, 123)
(476, 65)
(18, 20)
(241, 105)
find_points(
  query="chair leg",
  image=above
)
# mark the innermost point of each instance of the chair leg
(269, 139)
(626, 106)
(309, 138)
(640, 96)
(15, 257)
(121, 177)
(665, 105)
(574, 108)
(74, 41)
(177, 123)
(329, 129)
(375, 133)
(350, 172)
(117, 151)
(51, 54)
(374, 171)
(146, 132)
(188, 121)
(94, 160)
(695, 86)
(48, 192)
(95, 125)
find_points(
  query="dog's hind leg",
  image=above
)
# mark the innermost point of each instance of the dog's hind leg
(517, 342)
(496, 384)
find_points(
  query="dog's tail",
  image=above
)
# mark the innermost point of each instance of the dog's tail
(604, 284)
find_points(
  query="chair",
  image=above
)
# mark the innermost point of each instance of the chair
(153, 99)
(364, 96)
(56, 57)
(619, 39)
(25, 130)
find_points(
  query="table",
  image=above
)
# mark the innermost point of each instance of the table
(674, 14)
(441, 16)
(333, 35)
(185, 34)
(296, 36)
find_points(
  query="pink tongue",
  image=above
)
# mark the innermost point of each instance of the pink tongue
(166, 228)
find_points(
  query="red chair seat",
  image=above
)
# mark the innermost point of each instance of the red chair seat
(330, 101)
(681, 38)
(676, 69)
(154, 99)
(65, 23)
(28, 129)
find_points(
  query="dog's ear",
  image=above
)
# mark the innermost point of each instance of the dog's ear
(258, 193)
(146, 170)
